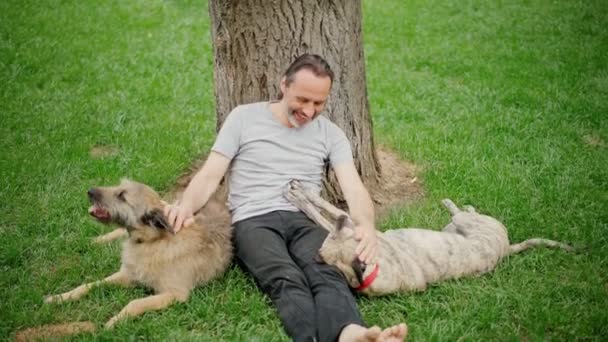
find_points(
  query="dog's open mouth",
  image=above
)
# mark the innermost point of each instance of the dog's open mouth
(99, 213)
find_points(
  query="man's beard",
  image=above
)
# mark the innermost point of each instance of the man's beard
(291, 118)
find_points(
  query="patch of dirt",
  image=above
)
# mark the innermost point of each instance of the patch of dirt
(184, 179)
(593, 140)
(216, 209)
(103, 151)
(399, 183)
(54, 331)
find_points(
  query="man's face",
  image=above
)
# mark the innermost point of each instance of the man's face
(305, 96)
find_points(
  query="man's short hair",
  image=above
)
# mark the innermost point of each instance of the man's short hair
(314, 63)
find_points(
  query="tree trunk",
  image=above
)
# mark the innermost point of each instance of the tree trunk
(256, 40)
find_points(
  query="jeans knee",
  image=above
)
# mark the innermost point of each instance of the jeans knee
(324, 275)
(275, 287)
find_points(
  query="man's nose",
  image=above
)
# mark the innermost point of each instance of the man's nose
(309, 110)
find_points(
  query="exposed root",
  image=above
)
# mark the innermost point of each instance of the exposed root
(54, 331)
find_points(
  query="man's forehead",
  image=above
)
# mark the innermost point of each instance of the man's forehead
(311, 97)
(311, 87)
(306, 75)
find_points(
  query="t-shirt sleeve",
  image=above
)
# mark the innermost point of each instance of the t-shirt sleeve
(228, 139)
(339, 147)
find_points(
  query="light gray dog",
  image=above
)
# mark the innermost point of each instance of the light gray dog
(409, 258)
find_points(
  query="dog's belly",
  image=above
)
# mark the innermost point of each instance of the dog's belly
(178, 264)
(147, 266)
(157, 267)
(420, 256)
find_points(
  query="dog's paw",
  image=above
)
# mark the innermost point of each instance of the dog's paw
(60, 298)
(112, 322)
(100, 240)
(52, 299)
(111, 236)
(469, 209)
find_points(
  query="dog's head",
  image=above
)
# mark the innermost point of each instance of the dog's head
(130, 204)
(338, 249)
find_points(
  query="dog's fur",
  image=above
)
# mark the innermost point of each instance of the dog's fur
(409, 258)
(171, 264)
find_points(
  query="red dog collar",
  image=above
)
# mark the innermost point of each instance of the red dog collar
(369, 279)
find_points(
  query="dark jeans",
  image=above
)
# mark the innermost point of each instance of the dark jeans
(278, 249)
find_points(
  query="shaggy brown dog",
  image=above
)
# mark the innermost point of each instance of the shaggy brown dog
(171, 264)
(409, 258)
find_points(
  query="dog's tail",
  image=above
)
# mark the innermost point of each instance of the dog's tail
(453, 209)
(451, 206)
(522, 246)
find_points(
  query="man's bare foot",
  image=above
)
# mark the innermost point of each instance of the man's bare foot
(357, 333)
(394, 333)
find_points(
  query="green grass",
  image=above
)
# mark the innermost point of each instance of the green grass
(503, 105)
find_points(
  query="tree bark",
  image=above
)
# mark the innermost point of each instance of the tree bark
(255, 41)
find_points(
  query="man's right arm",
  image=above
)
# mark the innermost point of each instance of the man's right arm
(198, 191)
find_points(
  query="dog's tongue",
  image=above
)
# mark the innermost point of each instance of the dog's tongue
(99, 213)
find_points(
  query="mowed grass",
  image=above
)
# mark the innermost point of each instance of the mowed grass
(502, 105)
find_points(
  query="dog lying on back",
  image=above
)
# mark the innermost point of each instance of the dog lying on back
(153, 256)
(409, 259)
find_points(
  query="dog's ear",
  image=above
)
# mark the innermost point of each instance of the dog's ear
(344, 221)
(359, 268)
(344, 226)
(155, 218)
(341, 222)
(319, 259)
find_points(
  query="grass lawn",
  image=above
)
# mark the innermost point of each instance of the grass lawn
(502, 105)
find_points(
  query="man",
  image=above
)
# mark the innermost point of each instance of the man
(265, 145)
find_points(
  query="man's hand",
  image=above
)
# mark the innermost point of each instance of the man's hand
(178, 216)
(368, 243)
(198, 191)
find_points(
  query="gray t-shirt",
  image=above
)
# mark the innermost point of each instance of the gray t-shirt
(266, 155)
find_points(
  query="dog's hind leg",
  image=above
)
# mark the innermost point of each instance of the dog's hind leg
(522, 246)
(139, 306)
(323, 204)
(469, 209)
(119, 278)
(111, 236)
(297, 197)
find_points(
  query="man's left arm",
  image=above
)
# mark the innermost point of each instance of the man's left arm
(361, 210)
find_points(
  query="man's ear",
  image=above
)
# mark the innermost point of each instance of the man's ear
(283, 84)
(155, 218)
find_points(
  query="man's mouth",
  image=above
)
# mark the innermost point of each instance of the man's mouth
(99, 213)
